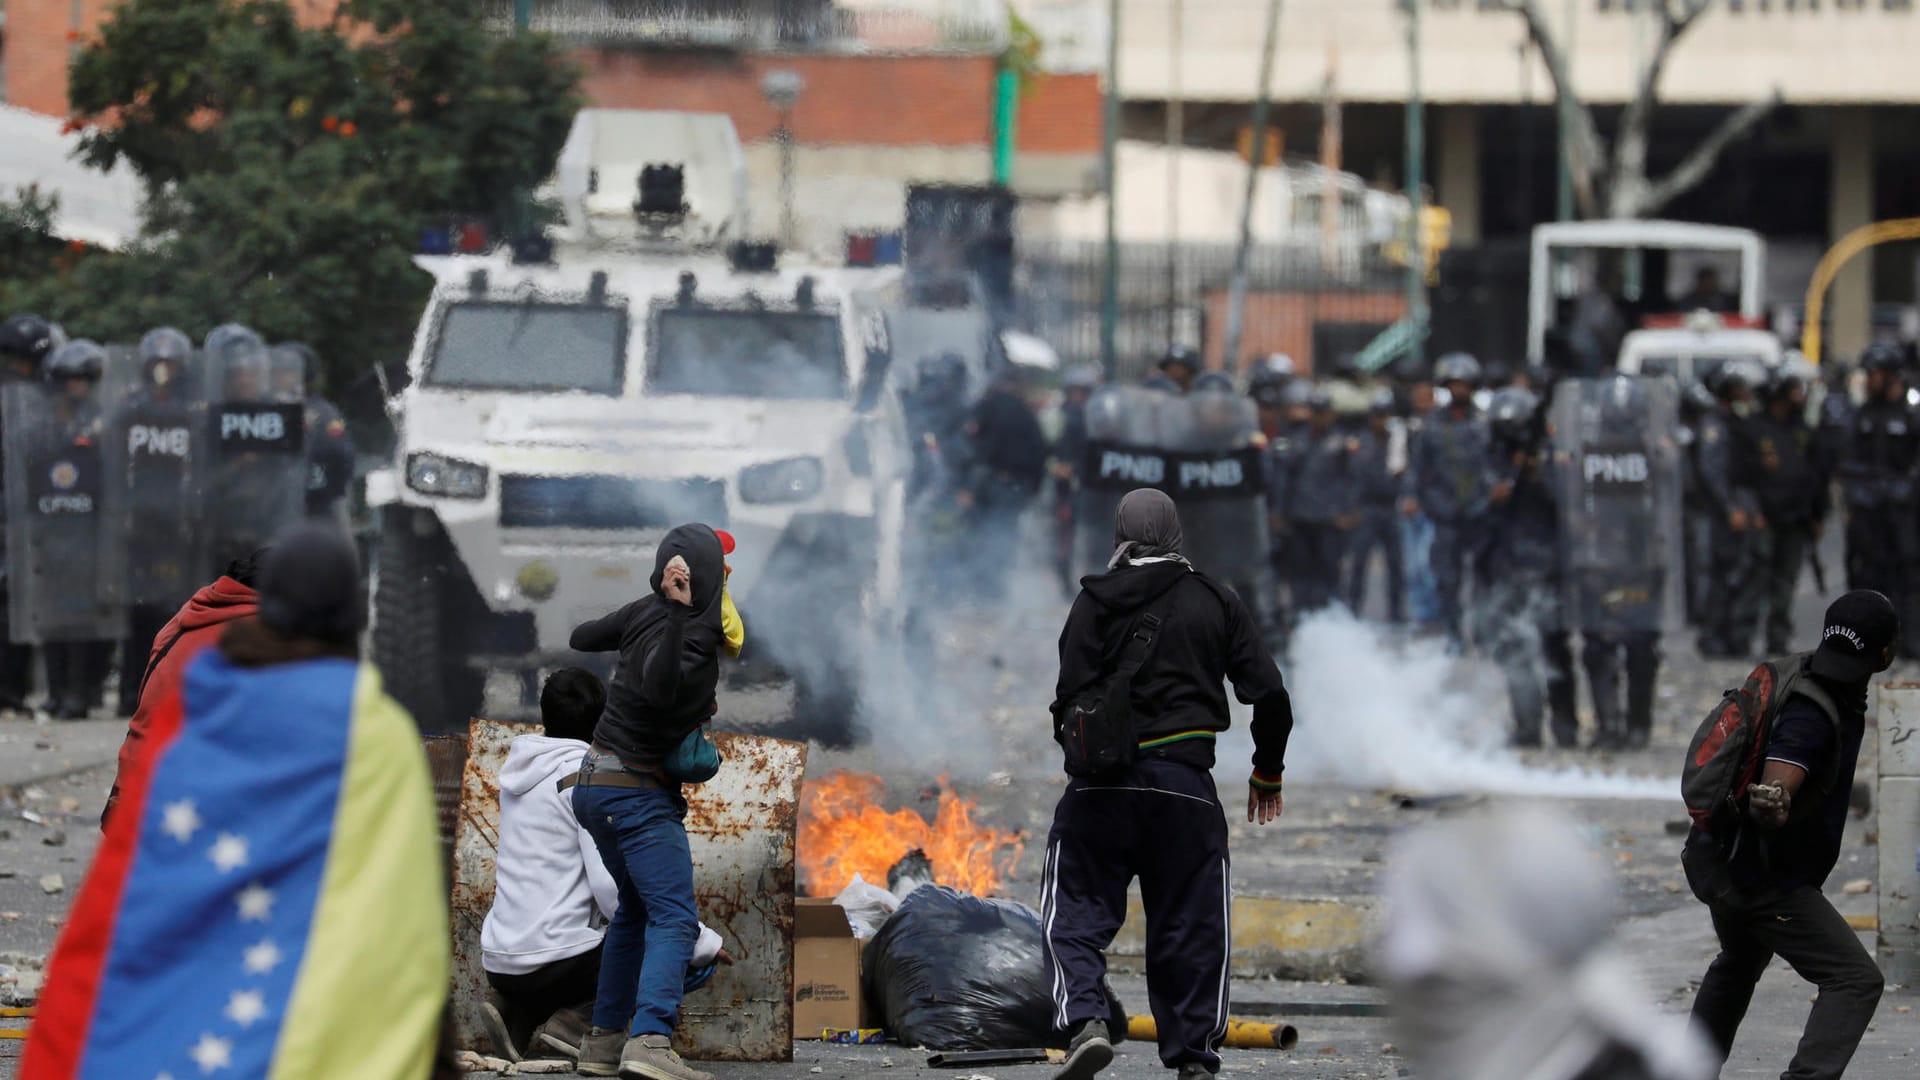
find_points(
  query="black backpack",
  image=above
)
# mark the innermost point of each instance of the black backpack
(1097, 730)
(1729, 751)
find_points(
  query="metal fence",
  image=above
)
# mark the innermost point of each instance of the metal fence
(1300, 301)
(805, 25)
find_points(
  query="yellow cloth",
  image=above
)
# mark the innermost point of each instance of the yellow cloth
(731, 628)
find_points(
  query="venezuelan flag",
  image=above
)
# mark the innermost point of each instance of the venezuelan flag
(269, 901)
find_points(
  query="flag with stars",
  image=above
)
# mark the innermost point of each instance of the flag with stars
(267, 903)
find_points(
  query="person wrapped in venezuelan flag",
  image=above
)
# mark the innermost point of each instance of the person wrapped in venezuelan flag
(267, 900)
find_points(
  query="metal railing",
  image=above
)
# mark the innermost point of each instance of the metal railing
(907, 26)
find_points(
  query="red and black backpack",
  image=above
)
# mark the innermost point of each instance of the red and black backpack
(1729, 750)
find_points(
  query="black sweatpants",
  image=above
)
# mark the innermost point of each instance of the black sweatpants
(1802, 928)
(571, 983)
(1161, 822)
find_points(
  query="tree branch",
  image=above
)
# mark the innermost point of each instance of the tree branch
(1586, 153)
(1698, 164)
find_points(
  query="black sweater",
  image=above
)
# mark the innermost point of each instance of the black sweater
(1206, 638)
(663, 685)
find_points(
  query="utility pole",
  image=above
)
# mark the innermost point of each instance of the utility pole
(1109, 136)
(1176, 139)
(1237, 291)
(1563, 103)
(1416, 196)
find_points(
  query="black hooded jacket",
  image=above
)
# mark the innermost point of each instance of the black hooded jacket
(663, 685)
(1206, 638)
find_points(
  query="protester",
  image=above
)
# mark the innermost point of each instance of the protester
(553, 896)
(733, 632)
(1497, 955)
(268, 901)
(662, 691)
(1154, 638)
(1765, 897)
(195, 627)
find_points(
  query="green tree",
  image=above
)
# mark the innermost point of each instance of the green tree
(291, 168)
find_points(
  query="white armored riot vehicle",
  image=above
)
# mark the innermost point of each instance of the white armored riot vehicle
(562, 416)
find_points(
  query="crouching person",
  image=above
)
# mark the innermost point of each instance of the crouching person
(628, 798)
(553, 896)
(1144, 657)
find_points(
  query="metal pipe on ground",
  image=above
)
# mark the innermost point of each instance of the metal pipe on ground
(1241, 1034)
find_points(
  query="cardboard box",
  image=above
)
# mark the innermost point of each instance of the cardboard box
(826, 969)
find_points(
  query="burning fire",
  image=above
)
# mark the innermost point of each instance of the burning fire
(844, 831)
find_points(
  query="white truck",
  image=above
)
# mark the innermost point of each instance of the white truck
(561, 417)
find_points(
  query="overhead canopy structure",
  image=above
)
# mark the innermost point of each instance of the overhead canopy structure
(102, 209)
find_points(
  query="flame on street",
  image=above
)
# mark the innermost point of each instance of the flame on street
(845, 831)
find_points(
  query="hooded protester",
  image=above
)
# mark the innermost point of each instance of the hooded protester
(1496, 956)
(196, 626)
(553, 895)
(268, 900)
(628, 799)
(1140, 701)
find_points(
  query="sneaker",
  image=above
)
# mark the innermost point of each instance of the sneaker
(600, 1053)
(1090, 1051)
(1196, 1071)
(495, 1025)
(652, 1058)
(563, 1033)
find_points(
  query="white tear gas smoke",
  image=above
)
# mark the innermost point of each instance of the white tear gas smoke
(1373, 712)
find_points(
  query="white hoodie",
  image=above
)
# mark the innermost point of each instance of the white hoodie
(552, 895)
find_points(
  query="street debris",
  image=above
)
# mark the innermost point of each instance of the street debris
(20, 978)
(469, 1061)
(1857, 887)
(53, 884)
(55, 838)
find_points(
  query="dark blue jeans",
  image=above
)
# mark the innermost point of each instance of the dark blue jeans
(642, 837)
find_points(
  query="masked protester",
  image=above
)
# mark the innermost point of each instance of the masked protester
(1157, 639)
(1763, 887)
(627, 797)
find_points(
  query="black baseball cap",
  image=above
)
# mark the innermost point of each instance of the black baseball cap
(1854, 638)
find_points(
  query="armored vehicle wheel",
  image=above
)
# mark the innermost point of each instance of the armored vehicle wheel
(414, 641)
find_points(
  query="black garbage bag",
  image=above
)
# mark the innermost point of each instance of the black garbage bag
(951, 971)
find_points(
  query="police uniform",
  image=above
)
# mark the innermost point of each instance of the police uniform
(1377, 526)
(329, 458)
(1320, 506)
(1447, 476)
(1522, 620)
(1728, 461)
(1878, 477)
(1793, 498)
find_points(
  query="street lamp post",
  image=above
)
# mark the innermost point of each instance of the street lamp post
(782, 89)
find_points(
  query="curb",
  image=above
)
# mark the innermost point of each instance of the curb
(1294, 938)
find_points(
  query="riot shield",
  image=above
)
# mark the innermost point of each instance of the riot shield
(1617, 477)
(1201, 450)
(157, 433)
(66, 561)
(252, 479)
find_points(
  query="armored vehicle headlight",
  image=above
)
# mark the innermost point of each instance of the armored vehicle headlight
(792, 480)
(433, 474)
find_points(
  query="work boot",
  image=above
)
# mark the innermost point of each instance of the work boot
(651, 1057)
(1090, 1051)
(600, 1052)
(493, 1020)
(563, 1033)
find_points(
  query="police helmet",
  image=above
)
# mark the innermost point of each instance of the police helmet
(1740, 373)
(1795, 372)
(1698, 397)
(1280, 365)
(28, 337)
(1511, 412)
(1213, 382)
(1296, 393)
(77, 359)
(1320, 399)
(1161, 382)
(296, 356)
(165, 345)
(1081, 377)
(230, 342)
(1456, 367)
(1883, 356)
(1382, 402)
(1268, 395)
(1180, 356)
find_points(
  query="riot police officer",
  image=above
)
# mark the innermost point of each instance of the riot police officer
(1069, 457)
(77, 667)
(1879, 471)
(256, 468)
(1320, 507)
(1448, 481)
(1376, 528)
(1285, 453)
(25, 341)
(1697, 521)
(155, 431)
(1728, 467)
(1793, 496)
(1521, 620)
(329, 447)
(1180, 365)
